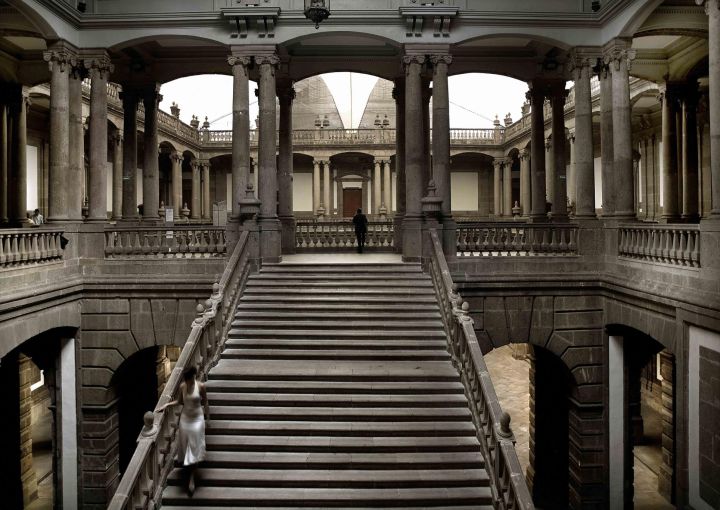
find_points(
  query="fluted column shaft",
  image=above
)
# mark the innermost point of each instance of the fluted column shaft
(241, 132)
(60, 67)
(195, 191)
(151, 173)
(206, 209)
(690, 209)
(377, 185)
(130, 103)
(497, 188)
(285, 169)
(584, 165)
(327, 200)
(624, 186)
(536, 97)
(316, 187)
(76, 165)
(415, 158)
(525, 182)
(99, 69)
(669, 156)
(117, 185)
(507, 187)
(176, 162)
(606, 141)
(387, 198)
(559, 202)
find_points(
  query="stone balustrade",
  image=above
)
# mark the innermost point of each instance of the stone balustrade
(165, 242)
(22, 247)
(339, 235)
(677, 245)
(516, 239)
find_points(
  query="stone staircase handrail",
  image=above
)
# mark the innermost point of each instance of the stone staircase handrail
(26, 246)
(143, 481)
(507, 482)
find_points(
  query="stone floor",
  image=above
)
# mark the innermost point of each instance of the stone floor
(512, 383)
(342, 258)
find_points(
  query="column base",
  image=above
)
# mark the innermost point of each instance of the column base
(288, 234)
(412, 239)
(449, 237)
(270, 239)
(398, 232)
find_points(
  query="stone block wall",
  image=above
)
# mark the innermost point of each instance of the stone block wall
(709, 419)
(29, 479)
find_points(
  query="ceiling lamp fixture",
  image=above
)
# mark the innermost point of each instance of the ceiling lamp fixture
(317, 11)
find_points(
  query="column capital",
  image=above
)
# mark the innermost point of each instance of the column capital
(440, 59)
(237, 60)
(618, 51)
(151, 93)
(413, 59)
(61, 58)
(176, 157)
(536, 95)
(99, 62)
(269, 59)
(203, 163)
(507, 161)
(286, 93)
(117, 137)
(498, 162)
(194, 163)
(708, 4)
(524, 154)
(584, 58)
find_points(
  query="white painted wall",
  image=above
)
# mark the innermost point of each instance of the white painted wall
(710, 340)
(464, 191)
(302, 192)
(33, 177)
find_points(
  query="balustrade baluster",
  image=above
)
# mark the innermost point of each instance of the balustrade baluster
(665, 246)
(695, 251)
(655, 249)
(674, 247)
(34, 249)
(14, 254)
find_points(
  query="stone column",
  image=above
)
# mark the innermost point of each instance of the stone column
(549, 172)
(441, 149)
(584, 165)
(285, 171)
(690, 209)
(399, 96)
(619, 57)
(497, 187)
(76, 165)
(606, 140)
(377, 186)
(507, 188)
(327, 196)
(525, 182)
(387, 184)
(176, 160)
(427, 145)
(130, 101)
(669, 155)
(414, 157)
(241, 132)
(18, 150)
(559, 201)
(99, 69)
(195, 193)
(61, 62)
(571, 180)
(117, 188)
(4, 167)
(712, 7)
(206, 209)
(151, 173)
(256, 180)
(536, 96)
(316, 187)
(270, 244)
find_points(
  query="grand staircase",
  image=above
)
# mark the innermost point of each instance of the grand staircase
(335, 389)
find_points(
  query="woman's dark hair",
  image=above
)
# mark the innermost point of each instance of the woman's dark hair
(189, 373)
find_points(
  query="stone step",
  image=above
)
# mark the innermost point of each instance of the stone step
(340, 277)
(340, 428)
(382, 478)
(339, 334)
(328, 497)
(341, 268)
(337, 401)
(335, 371)
(330, 444)
(332, 344)
(347, 302)
(318, 306)
(386, 291)
(251, 323)
(321, 314)
(192, 504)
(345, 283)
(302, 413)
(336, 354)
(336, 387)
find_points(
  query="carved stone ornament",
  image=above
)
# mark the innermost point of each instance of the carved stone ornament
(234, 60)
(100, 64)
(61, 58)
(617, 55)
(441, 59)
(272, 60)
(413, 59)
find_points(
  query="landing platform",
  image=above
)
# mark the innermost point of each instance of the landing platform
(342, 258)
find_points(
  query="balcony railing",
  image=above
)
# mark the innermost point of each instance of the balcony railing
(677, 245)
(516, 239)
(340, 235)
(30, 246)
(165, 242)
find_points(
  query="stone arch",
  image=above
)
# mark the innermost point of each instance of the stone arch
(37, 19)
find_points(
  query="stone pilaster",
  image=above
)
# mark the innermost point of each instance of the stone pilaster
(583, 186)
(151, 171)
(130, 104)
(606, 139)
(195, 193)
(241, 131)
(497, 187)
(536, 96)
(618, 56)
(668, 100)
(414, 157)
(270, 242)
(206, 209)
(558, 94)
(117, 186)
(525, 182)
(286, 95)
(61, 62)
(76, 165)
(176, 160)
(99, 68)
(507, 188)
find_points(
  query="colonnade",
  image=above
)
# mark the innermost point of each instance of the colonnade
(14, 102)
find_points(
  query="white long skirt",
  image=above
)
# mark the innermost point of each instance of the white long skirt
(192, 440)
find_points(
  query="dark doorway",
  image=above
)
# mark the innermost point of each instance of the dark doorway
(352, 201)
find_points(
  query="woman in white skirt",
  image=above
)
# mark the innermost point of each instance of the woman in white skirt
(193, 398)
